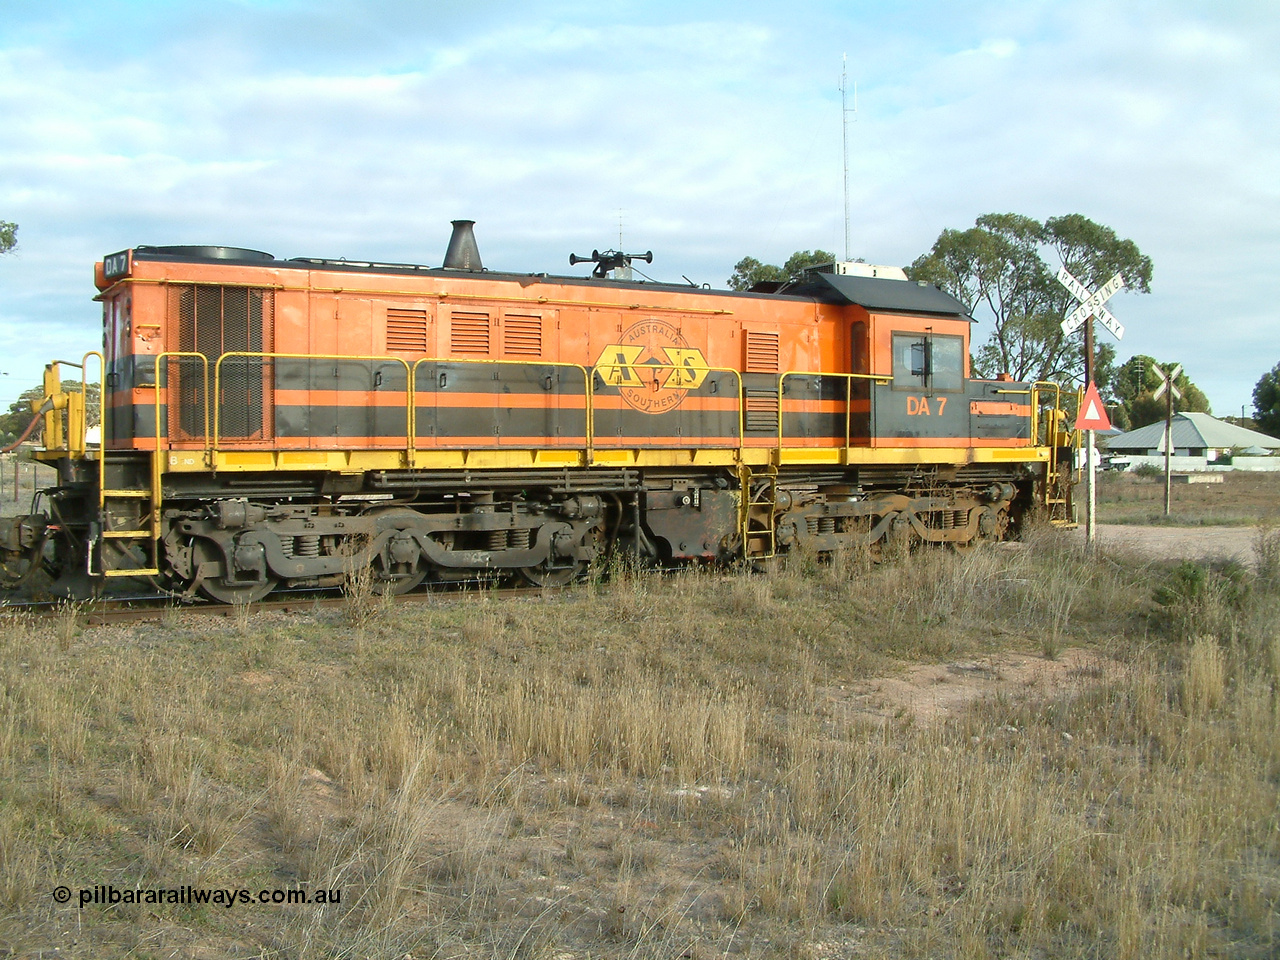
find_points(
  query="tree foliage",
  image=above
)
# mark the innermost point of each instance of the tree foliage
(8, 236)
(1005, 269)
(1134, 383)
(1266, 402)
(749, 271)
(20, 412)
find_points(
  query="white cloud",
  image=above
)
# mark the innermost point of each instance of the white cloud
(299, 129)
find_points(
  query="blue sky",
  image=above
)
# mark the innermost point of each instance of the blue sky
(712, 129)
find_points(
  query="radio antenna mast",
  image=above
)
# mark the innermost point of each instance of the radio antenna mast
(844, 119)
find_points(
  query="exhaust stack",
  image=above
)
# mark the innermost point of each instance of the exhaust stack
(463, 252)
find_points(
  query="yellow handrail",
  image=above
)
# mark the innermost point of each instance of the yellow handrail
(217, 385)
(556, 364)
(848, 396)
(204, 364)
(646, 367)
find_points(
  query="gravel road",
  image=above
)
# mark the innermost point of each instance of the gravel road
(1192, 543)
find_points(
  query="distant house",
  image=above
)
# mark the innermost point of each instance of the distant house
(1196, 437)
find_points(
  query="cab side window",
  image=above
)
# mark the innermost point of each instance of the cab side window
(926, 362)
(947, 363)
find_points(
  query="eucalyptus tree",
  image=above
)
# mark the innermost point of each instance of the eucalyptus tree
(1004, 268)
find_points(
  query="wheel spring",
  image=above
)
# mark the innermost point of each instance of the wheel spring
(306, 546)
(827, 525)
(521, 538)
(497, 539)
(813, 524)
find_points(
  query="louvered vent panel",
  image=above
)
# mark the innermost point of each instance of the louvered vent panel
(762, 352)
(407, 330)
(522, 336)
(469, 334)
(762, 410)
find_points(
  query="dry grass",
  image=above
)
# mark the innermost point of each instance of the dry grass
(662, 766)
(1242, 498)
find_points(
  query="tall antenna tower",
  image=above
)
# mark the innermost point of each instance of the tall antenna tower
(844, 119)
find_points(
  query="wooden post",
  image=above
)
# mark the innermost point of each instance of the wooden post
(1168, 444)
(1091, 491)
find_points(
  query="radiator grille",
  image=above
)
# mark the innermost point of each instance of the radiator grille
(521, 336)
(762, 353)
(215, 320)
(469, 334)
(407, 330)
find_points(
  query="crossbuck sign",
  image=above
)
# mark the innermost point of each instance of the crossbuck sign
(1091, 303)
(1166, 382)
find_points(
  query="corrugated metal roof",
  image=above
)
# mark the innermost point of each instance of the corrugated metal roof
(1191, 430)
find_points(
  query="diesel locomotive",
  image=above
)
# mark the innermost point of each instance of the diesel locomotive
(276, 423)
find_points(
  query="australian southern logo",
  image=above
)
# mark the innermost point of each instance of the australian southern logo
(653, 366)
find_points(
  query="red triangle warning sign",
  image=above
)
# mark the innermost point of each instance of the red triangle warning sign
(1093, 415)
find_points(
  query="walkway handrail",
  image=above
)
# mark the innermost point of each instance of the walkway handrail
(848, 395)
(204, 365)
(679, 367)
(217, 383)
(586, 385)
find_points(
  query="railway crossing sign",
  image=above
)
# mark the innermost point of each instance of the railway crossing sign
(1166, 382)
(1169, 390)
(1092, 303)
(1093, 415)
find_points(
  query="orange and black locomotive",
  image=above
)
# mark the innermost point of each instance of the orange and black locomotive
(282, 423)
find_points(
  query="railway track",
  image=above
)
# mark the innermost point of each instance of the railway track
(140, 608)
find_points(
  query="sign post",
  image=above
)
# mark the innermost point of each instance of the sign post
(1092, 415)
(1169, 390)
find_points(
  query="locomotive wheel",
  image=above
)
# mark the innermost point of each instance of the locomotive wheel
(398, 577)
(227, 591)
(992, 528)
(547, 576)
(397, 582)
(559, 575)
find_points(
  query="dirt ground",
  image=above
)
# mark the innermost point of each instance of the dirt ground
(1187, 543)
(30, 476)
(932, 692)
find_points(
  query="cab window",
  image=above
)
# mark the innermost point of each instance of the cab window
(926, 362)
